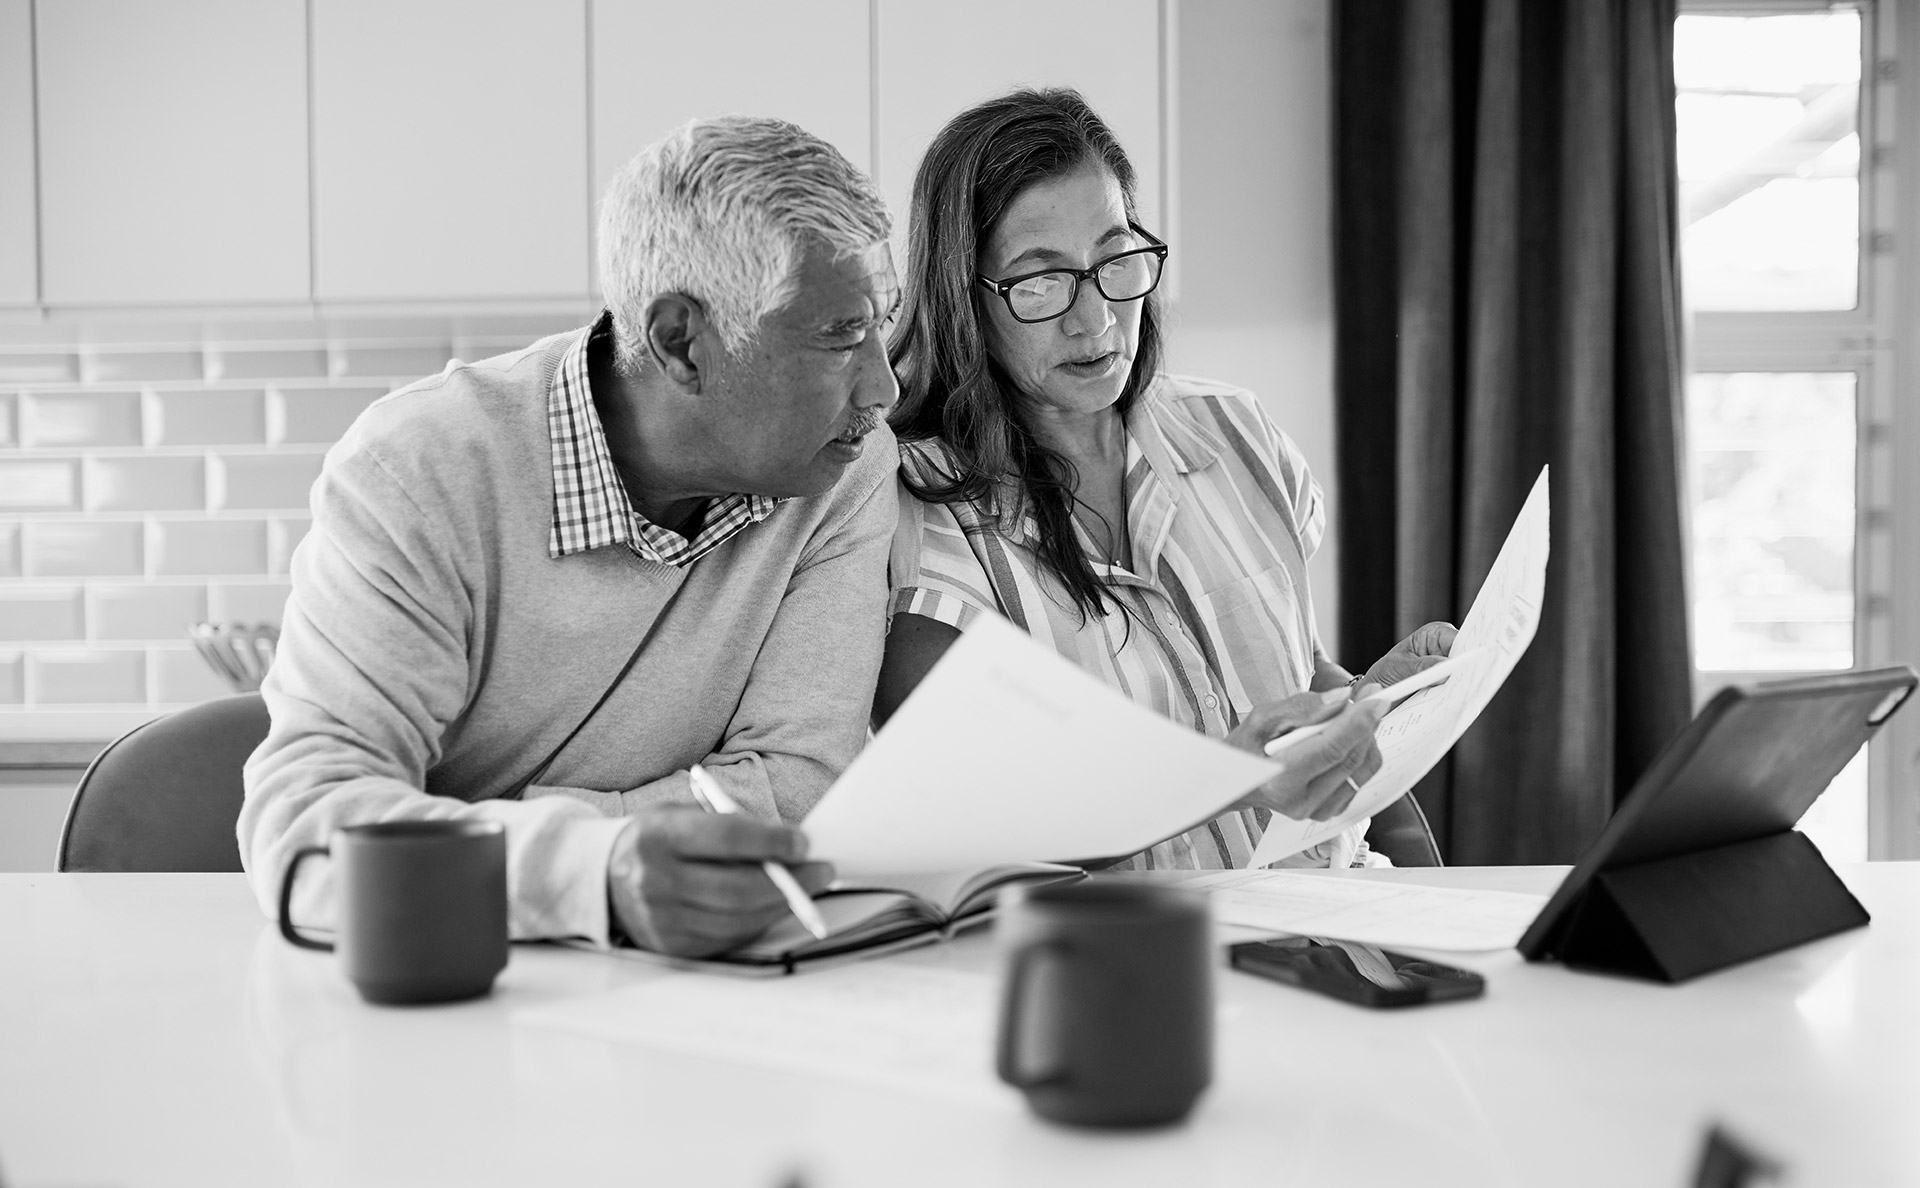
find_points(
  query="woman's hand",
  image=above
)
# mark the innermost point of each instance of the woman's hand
(1423, 649)
(1322, 773)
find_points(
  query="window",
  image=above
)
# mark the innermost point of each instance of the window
(1787, 274)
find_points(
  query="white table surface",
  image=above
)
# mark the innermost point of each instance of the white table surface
(154, 1030)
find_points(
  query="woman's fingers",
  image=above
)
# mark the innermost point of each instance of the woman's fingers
(1426, 647)
(1431, 639)
(1351, 758)
(1314, 785)
(1267, 722)
(1332, 792)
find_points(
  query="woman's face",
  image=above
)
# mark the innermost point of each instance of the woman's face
(1078, 362)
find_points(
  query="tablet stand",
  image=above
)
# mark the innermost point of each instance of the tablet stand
(1676, 918)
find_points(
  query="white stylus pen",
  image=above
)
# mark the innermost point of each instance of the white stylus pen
(714, 799)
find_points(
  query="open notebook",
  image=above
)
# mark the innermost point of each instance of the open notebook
(869, 915)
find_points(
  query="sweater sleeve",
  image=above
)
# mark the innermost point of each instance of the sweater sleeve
(371, 666)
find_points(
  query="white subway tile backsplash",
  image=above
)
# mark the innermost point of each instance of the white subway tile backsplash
(146, 484)
(407, 363)
(87, 677)
(117, 611)
(265, 482)
(283, 536)
(48, 367)
(191, 548)
(108, 366)
(207, 416)
(39, 484)
(300, 415)
(85, 548)
(226, 362)
(191, 449)
(40, 613)
(181, 677)
(247, 602)
(80, 419)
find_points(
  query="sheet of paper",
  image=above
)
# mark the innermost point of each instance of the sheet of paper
(905, 1027)
(1422, 728)
(1392, 915)
(1008, 753)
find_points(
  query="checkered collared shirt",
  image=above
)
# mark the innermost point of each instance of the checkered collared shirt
(590, 506)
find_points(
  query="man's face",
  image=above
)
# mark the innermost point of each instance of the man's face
(792, 411)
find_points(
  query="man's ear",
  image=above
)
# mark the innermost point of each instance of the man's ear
(673, 322)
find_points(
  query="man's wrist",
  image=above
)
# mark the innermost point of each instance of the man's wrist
(623, 879)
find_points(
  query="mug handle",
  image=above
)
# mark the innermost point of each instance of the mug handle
(1008, 1061)
(286, 902)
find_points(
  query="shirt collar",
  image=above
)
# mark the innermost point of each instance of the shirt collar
(1171, 436)
(590, 505)
(1161, 430)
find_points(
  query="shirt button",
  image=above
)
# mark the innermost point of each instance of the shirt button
(1213, 702)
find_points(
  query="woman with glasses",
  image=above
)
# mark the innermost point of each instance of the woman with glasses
(1152, 528)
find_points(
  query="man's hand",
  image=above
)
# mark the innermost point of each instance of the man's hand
(1426, 647)
(689, 883)
(1322, 772)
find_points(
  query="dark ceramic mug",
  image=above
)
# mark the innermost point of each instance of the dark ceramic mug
(1107, 1013)
(421, 908)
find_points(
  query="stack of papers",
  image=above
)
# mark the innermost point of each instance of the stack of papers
(1392, 915)
(1423, 728)
(1008, 753)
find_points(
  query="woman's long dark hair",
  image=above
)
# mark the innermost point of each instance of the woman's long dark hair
(950, 387)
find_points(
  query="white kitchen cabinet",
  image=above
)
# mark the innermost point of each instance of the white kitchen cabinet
(936, 59)
(19, 239)
(656, 66)
(173, 151)
(449, 149)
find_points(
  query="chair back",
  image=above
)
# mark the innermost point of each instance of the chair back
(1401, 832)
(165, 795)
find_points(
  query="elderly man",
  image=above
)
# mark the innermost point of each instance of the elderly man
(538, 588)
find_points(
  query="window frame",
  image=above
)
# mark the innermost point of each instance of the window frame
(1864, 341)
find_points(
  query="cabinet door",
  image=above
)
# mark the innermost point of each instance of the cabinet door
(173, 151)
(936, 59)
(656, 66)
(19, 250)
(449, 149)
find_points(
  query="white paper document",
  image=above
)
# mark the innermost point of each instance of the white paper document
(1390, 914)
(907, 1027)
(1422, 728)
(1008, 753)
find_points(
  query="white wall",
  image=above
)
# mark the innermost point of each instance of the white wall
(1252, 169)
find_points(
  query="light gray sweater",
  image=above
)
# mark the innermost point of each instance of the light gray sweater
(432, 653)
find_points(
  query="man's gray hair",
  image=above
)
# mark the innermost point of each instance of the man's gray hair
(722, 210)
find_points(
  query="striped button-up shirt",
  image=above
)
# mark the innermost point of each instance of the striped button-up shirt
(590, 505)
(1222, 515)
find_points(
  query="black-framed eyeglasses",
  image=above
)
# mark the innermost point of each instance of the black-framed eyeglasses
(1045, 295)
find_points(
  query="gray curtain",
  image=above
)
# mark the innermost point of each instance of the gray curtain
(1506, 297)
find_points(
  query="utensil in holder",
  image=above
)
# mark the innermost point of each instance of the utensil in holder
(240, 653)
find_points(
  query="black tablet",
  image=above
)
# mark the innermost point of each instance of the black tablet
(1747, 767)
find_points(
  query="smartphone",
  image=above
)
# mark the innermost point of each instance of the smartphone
(1353, 972)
